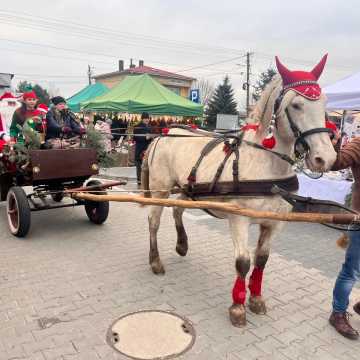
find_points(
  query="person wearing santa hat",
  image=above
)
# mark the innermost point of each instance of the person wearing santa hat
(27, 111)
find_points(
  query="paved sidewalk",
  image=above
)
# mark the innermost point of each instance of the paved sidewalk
(62, 287)
(120, 172)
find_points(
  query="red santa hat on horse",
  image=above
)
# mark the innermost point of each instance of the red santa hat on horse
(302, 82)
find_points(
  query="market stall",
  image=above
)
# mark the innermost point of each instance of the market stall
(86, 94)
(344, 94)
(137, 94)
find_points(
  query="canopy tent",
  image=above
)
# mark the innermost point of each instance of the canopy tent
(86, 94)
(137, 94)
(344, 94)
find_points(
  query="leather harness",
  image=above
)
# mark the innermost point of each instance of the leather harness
(232, 143)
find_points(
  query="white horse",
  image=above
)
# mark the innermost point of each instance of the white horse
(169, 161)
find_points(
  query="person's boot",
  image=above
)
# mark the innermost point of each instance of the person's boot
(340, 321)
(357, 307)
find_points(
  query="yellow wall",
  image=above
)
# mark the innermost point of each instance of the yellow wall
(184, 91)
(112, 81)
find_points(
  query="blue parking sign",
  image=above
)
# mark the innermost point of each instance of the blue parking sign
(195, 95)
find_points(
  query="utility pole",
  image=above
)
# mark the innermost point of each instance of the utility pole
(248, 54)
(89, 72)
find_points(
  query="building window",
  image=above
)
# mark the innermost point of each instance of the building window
(176, 90)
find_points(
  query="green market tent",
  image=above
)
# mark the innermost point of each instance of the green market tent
(86, 94)
(137, 94)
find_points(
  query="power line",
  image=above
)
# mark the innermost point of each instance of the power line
(53, 56)
(211, 64)
(60, 48)
(49, 23)
(107, 32)
(52, 76)
(23, 16)
(118, 37)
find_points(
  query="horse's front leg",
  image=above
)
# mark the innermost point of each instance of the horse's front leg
(239, 227)
(267, 233)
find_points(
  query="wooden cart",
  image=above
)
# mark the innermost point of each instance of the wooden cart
(52, 174)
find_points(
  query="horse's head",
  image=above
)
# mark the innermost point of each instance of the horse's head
(300, 116)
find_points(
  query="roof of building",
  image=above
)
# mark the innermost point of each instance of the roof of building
(145, 70)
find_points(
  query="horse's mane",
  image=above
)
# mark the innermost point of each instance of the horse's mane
(264, 106)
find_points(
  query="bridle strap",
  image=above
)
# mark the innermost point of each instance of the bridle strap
(300, 136)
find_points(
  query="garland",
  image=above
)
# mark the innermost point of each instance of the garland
(16, 156)
(96, 140)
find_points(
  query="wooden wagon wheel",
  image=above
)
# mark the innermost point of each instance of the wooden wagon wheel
(18, 212)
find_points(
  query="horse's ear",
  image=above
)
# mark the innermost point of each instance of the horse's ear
(283, 71)
(318, 69)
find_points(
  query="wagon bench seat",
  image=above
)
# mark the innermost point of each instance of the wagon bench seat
(63, 163)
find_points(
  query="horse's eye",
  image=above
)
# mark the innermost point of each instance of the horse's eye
(296, 106)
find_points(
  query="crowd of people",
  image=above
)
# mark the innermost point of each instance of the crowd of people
(57, 122)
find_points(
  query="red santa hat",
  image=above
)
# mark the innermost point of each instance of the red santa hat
(29, 95)
(7, 95)
(43, 108)
(303, 82)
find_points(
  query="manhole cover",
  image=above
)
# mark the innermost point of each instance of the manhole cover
(151, 334)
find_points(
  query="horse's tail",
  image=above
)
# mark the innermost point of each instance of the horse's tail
(145, 173)
(343, 241)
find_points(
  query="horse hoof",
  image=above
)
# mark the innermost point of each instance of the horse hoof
(237, 315)
(157, 267)
(181, 249)
(257, 305)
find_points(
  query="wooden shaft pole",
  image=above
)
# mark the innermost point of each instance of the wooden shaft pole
(227, 208)
(96, 187)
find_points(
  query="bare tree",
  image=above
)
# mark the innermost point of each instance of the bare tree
(206, 89)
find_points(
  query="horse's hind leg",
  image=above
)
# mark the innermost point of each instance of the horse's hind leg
(267, 233)
(182, 239)
(154, 223)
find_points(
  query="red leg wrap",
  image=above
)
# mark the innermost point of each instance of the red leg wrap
(255, 281)
(239, 291)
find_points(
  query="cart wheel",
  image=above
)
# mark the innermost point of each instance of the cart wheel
(57, 197)
(18, 212)
(97, 211)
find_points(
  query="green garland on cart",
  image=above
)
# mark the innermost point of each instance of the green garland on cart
(18, 153)
(95, 140)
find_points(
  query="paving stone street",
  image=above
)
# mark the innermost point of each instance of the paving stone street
(63, 286)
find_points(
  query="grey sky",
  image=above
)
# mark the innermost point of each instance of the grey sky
(300, 32)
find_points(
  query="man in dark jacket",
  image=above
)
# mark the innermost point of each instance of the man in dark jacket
(61, 121)
(142, 139)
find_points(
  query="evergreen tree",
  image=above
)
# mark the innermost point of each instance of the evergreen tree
(264, 78)
(222, 102)
(42, 94)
